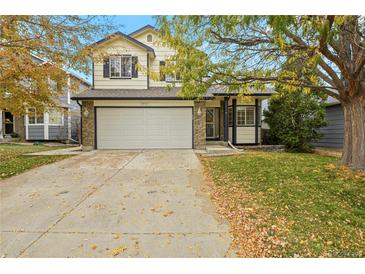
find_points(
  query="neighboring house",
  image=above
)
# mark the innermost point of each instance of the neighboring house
(334, 131)
(127, 109)
(61, 123)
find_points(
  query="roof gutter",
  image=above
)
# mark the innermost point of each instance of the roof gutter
(138, 98)
(235, 94)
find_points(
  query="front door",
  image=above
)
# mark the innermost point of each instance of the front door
(9, 123)
(211, 123)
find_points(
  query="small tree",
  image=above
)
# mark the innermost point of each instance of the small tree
(294, 119)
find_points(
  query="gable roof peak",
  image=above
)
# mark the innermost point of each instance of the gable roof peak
(127, 37)
(148, 26)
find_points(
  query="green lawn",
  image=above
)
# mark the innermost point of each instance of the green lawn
(12, 161)
(312, 206)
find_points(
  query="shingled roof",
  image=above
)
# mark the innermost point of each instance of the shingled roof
(142, 29)
(220, 90)
(156, 93)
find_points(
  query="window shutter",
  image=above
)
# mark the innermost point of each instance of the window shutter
(134, 67)
(162, 75)
(106, 73)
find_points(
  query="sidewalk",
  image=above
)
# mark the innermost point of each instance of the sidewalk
(63, 151)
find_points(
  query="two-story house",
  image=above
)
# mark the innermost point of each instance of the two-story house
(127, 109)
(59, 123)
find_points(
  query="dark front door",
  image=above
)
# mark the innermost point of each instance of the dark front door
(212, 123)
(9, 123)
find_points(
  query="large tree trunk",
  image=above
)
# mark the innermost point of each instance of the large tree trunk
(354, 133)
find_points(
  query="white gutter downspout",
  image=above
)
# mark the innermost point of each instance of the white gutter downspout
(69, 128)
(26, 124)
(46, 122)
(232, 146)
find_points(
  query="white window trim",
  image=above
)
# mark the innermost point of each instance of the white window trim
(172, 78)
(35, 115)
(254, 116)
(245, 111)
(110, 66)
(26, 125)
(46, 128)
(62, 118)
(120, 67)
(130, 57)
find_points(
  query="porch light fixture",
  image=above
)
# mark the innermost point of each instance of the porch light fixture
(199, 111)
(86, 113)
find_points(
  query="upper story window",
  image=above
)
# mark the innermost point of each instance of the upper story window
(149, 38)
(121, 66)
(168, 77)
(115, 67)
(53, 85)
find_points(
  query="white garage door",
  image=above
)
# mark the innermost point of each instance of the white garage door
(128, 128)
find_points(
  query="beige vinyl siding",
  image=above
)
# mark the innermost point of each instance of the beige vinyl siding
(120, 46)
(162, 53)
(245, 135)
(248, 100)
(215, 103)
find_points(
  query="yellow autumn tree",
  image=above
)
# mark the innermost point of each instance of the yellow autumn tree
(59, 40)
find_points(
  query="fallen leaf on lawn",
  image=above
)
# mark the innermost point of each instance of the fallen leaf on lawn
(168, 213)
(116, 236)
(156, 209)
(118, 250)
(99, 206)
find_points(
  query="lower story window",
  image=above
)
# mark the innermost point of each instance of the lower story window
(245, 115)
(55, 116)
(34, 117)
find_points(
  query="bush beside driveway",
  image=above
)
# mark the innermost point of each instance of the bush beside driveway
(290, 205)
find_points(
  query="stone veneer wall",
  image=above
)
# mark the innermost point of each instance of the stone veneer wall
(88, 125)
(199, 125)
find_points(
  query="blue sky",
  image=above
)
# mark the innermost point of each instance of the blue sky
(131, 23)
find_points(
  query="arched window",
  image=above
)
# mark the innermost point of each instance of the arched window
(149, 38)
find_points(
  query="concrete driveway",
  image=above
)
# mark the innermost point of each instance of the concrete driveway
(112, 204)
